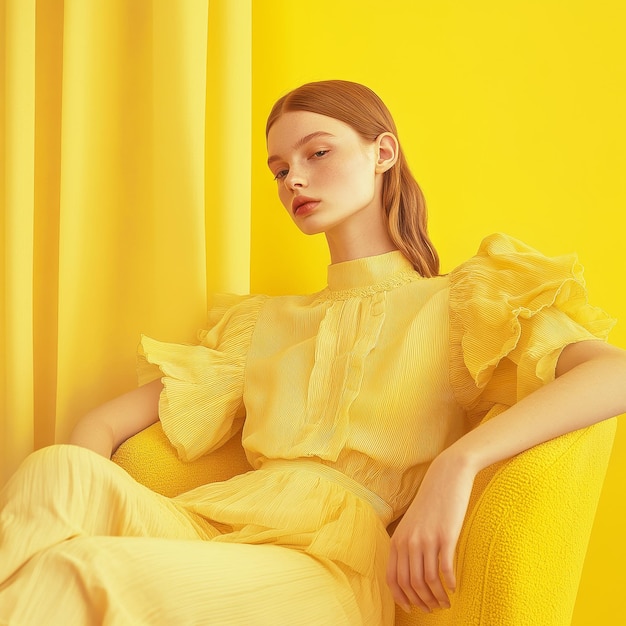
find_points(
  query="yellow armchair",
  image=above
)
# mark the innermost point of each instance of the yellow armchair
(522, 548)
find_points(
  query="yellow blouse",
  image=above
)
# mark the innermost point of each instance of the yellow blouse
(380, 371)
(344, 397)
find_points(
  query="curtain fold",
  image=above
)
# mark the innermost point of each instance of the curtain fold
(228, 145)
(47, 176)
(17, 134)
(104, 151)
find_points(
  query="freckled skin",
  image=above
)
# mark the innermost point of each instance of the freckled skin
(338, 170)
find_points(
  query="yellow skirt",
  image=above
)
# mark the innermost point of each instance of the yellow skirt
(81, 542)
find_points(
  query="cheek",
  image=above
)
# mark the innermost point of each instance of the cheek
(341, 176)
(358, 167)
(357, 179)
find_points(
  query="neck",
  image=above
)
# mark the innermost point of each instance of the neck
(358, 243)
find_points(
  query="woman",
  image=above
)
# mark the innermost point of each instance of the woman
(359, 403)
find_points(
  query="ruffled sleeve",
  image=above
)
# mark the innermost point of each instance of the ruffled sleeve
(201, 405)
(512, 311)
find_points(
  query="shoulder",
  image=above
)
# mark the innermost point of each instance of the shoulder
(501, 251)
(508, 276)
(507, 269)
(510, 297)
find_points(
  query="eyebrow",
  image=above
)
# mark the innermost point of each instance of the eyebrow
(302, 141)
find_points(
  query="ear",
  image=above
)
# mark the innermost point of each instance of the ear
(387, 151)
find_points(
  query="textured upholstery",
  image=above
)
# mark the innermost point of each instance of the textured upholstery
(523, 545)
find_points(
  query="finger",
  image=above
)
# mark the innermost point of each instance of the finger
(433, 582)
(392, 582)
(446, 565)
(417, 588)
(405, 569)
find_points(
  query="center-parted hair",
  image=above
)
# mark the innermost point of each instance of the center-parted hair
(359, 107)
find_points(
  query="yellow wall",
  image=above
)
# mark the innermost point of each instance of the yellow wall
(512, 117)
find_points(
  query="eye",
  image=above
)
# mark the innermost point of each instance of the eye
(281, 174)
(320, 153)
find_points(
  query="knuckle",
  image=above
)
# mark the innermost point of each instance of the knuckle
(395, 544)
(419, 584)
(416, 542)
(404, 580)
(446, 568)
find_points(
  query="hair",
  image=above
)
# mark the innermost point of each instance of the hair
(403, 201)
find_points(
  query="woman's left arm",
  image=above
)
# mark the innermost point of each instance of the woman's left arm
(590, 386)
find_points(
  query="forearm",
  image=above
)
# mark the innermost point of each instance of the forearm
(104, 428)
(590, 386)
(590, 392)
(93, 434)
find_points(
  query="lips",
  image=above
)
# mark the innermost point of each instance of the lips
(303, 204)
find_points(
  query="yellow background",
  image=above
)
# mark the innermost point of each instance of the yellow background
(512, 117)
(130, 187)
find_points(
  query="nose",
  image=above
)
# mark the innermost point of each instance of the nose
(295, 179)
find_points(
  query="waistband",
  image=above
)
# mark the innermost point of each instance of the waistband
(382, 509)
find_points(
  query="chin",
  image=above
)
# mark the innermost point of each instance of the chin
(310, 232)
(308, 227)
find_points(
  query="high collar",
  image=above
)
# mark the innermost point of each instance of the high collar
(368, 271)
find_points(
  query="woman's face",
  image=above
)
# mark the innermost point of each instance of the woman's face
(325, 172)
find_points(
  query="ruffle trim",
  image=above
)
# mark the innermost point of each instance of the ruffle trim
(201, 405)
(511, 301)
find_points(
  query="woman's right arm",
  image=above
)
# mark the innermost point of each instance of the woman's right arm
(107, 426)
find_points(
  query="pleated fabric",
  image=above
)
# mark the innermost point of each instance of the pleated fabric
(82, 543)
(512, 311)
(344, 397)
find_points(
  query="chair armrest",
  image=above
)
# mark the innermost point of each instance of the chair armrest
(151, 459)
(523, 544)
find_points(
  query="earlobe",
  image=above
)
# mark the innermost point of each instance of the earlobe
(388, 149)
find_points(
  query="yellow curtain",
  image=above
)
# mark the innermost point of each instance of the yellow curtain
(103, 131)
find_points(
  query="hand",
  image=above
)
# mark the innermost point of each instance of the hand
(421, 561)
